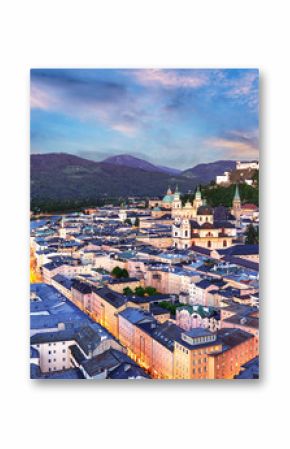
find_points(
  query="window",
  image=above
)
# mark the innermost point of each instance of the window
(49, 352)
(209, 244)
(63, 359)
(224, 243)
(63, 350)
(49, 360)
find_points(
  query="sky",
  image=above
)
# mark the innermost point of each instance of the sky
(171, 117)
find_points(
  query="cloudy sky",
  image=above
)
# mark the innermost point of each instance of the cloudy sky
(177, 118)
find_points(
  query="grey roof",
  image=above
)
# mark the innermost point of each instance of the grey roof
(77, 354)
(115, 299)
(69, 374)
(231, 337)
(134, 315)
(166, 334)
(50, 337)
(108, 360)
(249, 264)
(128, 371)
(63, 280)
(240, 250)
(250, 370)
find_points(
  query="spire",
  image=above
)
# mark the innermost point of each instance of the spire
(198, 193)
(237, 194)
(176, 194)
(169, 192)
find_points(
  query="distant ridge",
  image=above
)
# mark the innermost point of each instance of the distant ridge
(62, 176)
(127, 160)
(207, 172)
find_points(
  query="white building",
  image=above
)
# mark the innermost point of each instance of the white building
(254, 165)
(223, 179)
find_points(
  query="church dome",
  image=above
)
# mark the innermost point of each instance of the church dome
(167, 199)
(204, 210)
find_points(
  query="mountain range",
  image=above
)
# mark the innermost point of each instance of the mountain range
(62, 176)
(126, 160)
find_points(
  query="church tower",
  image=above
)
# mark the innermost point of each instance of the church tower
(176, 203)
(236, 209)
(62, 230)
(197, 202)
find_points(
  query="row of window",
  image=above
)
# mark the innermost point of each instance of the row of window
(54, 360)
(199, 370)
(50, 344)
(54, 351)
(54, 368)
(198, 361)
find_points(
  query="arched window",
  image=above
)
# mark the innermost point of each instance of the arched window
(209, 244)
(224, 243)
(186, 233)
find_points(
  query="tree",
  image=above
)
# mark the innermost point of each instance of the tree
(252, 235)
(125, 273)
(119, 273)
(150, 291)
(140, 291)
(128, 291)
(137, 222)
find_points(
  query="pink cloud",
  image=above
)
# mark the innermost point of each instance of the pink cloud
(234, 148)
(170, 78)
(125, 128)
(41, 98)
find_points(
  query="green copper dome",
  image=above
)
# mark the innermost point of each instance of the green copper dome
(167, 199)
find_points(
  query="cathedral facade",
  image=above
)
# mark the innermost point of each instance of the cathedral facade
(196, 225)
